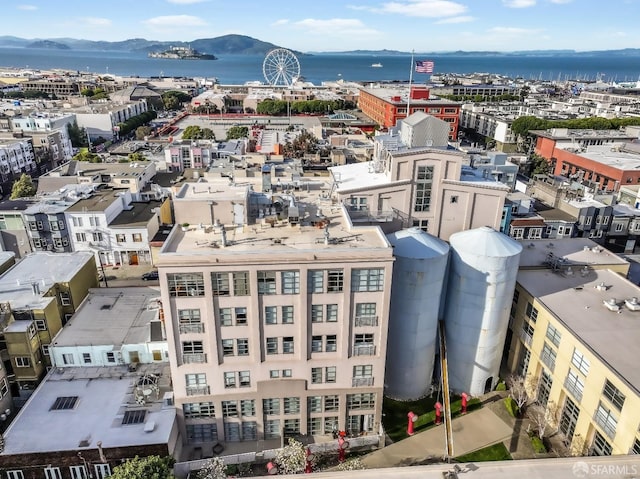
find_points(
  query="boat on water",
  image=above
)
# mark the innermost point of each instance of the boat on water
(376, 65)
(182, 53)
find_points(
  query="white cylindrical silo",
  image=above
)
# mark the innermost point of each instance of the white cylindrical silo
(419, 274)
(482, 276)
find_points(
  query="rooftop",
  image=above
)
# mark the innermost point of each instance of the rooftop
(357, 175)
(578, 251)
(139, 214)
(577, 301)
(84, 168)
(389, 94)
(99, 201)
(112, 316)
(611, 157)
(577, 134)
(103, 395)
(43, 268)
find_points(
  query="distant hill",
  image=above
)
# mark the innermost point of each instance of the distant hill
(227, 44)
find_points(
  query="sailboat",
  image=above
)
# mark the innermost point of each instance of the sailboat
(376, 65)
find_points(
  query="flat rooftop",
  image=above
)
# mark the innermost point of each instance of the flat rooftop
(103, 395)
(43, 268)
(578, 304)
(577, 251)
(388, 93)
(99, 201)
(357, 175)
(615, 159)
(139, 214)
(84, 168)
(112, 316)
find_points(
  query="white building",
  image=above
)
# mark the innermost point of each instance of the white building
(101, 120)
(16, 156)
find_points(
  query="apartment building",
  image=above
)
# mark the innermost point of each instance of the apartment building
(102, 119)
(16, 157)
(414, 180)
(574, 322)
(14, 236)
(276, 312)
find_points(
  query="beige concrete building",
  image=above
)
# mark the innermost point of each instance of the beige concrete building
(413, 180)
(276, 313)
(574, 330)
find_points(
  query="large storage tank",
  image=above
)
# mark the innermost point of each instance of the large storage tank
(419, 274)
(482, 277)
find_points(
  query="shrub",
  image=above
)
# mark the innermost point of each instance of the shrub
(511, 406)
(538, 445)
(501, 386)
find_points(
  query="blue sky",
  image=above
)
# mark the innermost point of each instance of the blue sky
(334, 25)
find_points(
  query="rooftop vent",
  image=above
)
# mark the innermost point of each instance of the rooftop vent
(596, 249)
(601, 287)
(611, 304)
(632, 304)
(584, 271)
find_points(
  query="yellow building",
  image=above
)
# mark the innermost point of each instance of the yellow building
(575, 328)
(37, 297)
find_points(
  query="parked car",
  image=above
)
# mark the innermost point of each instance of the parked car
(150, 276)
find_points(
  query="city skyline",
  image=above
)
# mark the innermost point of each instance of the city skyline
(448, 25)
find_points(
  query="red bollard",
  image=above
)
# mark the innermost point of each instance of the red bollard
(464, 403)
(308, 469)
(438, 407)
(342, 445)
(272, 469)
(412, 418)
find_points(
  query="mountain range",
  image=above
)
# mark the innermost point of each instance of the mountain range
(245, 45)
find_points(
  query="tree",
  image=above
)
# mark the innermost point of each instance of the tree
(544, 418)
(194, 132)
(86, 155)
(77, 135)
(133, 157)
(23, 187)
(237, 132)
(518, 391)
(142, 132)
(213, 469)
(292, 458)
(151, 467)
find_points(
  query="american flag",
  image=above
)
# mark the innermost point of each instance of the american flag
(424, 66)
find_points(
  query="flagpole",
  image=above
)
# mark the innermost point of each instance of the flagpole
(410, 81)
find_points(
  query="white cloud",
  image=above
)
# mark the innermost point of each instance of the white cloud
(96, 21)
(509, 31)
(462, 19)
(282, 21)
(333, 26)
(168, 21)
(519, 3)
(27, 7)
(186, 2)
(417, 8)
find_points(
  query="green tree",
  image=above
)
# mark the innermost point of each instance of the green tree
(192, 132)
(237, 132)
(174, 98)
(133, 157)
(142, 131)
(151, 467)
(23, 187)
(77, 135)
(87, 92)
(207, 134)
(86, 155)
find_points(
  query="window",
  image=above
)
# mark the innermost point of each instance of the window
(574, 384)
(332, 313)
(366, 314)
(98, 237)
(613, 394)
(23, 362)
(363, 344)
(121, 238)
(242, 345)
(227, 347)
(314, 403)
(527, 333)
(330, 374)
(41, 325)
(45, 349)
(195, 410)
(531, 312)
(286, 373)
(569, 418)
(241, 283)
(580, 362)
(241, 316)
(244, 379)
(192, 347)
(102, 471)
(266, 282)
(270, 315)
(361, 401)
(523, 363)
(134, 417)
(229, 409)
(287, 314)
(606, 420)
(316, 344)
(544, 387)
(287, 345)
(330, 424)
(290, 282)
(548, 356)
(423, 182)
(335, 280)
(292, 426)
(248, 407)
(600, 446)
(137, 237)
(316, 375)
(65, 298)
(16, 474)
(367, 279)
(64, 402)
(553, 335)
(52, 473)
(271, 406)
(363, 371)
(229, 380)
(185, 284)
(636, 447)
(331, 403)
(291, 405)
(274, 373)
(272, 345)
(86, 358)
(111, 357)
(189, 320)
(314, 426)
(220, 284)
(76, 221)
(4, 388)
(271, 428)
(317, 313)
(197, 433)
(331, 343)
(78, 472)
(315, 281)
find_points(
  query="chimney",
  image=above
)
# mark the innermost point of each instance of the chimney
(35, 287)
(224, 237)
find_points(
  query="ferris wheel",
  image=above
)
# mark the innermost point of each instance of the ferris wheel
(281, 67)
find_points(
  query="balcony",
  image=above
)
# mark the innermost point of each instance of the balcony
(548, 360)
(608, 428)
(366, 321)
(364, 350)
(192, 328)
(573, 388)
(188, 358)
(360, 382)
(197, 390)
(526, 338)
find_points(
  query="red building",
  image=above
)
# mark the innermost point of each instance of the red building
(606, 162)
(386, 106)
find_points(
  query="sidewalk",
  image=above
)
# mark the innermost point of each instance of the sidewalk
(478, 429)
